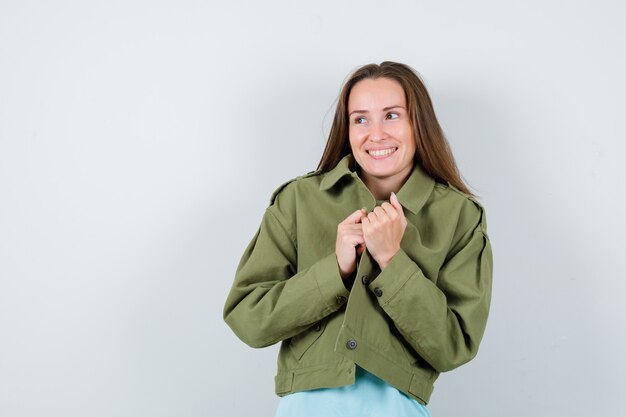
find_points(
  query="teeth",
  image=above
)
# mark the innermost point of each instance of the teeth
(382, 152)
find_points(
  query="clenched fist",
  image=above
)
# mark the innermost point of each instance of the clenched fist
(350, 242)
(383, 229)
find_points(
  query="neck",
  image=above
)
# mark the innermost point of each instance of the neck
(381, 188)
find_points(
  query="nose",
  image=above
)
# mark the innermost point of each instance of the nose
(378, 131)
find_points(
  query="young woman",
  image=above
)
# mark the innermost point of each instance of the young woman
(373, 271)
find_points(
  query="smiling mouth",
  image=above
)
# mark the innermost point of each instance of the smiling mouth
(382, 153)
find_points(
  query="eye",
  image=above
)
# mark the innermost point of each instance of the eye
(357, 119)
(396, 114)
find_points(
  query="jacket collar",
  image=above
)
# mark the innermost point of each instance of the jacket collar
(412, 195)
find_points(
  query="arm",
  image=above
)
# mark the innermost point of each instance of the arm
(269, 301)
(444, 321)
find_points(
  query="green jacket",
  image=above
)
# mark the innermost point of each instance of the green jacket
(424, 314)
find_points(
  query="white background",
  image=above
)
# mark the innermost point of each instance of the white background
(140, 142)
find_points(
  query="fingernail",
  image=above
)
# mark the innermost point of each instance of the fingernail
(364, 208)
(394, 194)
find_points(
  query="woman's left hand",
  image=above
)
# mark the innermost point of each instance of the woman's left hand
(383, 229)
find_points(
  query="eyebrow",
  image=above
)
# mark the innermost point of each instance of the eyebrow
(365, 111)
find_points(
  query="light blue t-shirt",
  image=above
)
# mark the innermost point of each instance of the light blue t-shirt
(369, 396)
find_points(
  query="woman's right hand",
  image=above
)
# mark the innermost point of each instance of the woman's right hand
(350, 242)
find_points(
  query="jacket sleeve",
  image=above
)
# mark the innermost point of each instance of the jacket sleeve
(270, 300)
(444, 319)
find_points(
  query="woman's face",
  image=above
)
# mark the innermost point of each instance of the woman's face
(379, 121)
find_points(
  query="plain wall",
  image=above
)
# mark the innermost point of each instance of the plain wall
(140, 142)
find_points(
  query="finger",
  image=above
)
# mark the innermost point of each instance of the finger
(353, 237)
(381, 215)
(390, 210)
(355, 217)
(352, 226)
(349, 229)
(365, 222)
(379, 211)
(396, 203)
(372, 221)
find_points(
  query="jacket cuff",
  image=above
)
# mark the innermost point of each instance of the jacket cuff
(330, 283)
(390, 280)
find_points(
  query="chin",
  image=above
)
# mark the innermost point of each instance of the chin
(380, 172)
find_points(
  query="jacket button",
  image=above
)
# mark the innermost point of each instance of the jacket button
(365, 280)
(341, 299)
(378, 292)
(351, 344)
(317, 326)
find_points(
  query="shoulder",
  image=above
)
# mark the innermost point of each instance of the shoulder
(289, 187)
(469, 208)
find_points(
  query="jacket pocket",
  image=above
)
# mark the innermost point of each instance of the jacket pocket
(301, 342)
